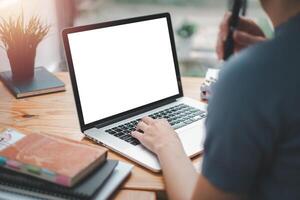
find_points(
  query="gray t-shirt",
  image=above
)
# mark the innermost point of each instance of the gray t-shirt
(253, 124)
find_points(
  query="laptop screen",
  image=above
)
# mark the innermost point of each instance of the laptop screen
(123, 67)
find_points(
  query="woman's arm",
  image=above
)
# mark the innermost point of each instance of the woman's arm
(182, 180)
(179, 173)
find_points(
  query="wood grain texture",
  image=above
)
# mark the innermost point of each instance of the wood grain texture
(134, 195)
(56, 114)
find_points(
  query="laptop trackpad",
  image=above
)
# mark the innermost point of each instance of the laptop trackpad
(192, 138)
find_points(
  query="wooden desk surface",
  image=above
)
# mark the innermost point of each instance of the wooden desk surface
(56, 114)
(134, 194)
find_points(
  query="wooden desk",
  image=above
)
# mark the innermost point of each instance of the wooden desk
(134, 194)
(56, 114)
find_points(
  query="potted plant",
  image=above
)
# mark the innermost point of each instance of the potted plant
(20, 41)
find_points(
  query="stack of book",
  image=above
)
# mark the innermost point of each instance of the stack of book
(48, 167)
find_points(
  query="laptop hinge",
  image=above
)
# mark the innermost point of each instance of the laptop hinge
(133, 114)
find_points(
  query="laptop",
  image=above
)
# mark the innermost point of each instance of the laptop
(124, 70)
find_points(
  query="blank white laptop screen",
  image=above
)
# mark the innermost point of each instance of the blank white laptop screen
(122, 67)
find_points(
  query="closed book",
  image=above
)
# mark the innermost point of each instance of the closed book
(43, 82)
(84, 190)
(61, 161)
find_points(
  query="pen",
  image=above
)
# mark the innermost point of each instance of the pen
(233, 24)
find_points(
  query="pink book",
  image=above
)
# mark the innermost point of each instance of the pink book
(58, 160)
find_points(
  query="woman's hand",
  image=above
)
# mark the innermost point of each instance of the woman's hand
(179, 173)
(158, 134)
(247, 33)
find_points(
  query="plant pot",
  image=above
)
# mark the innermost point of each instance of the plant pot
(22, 63)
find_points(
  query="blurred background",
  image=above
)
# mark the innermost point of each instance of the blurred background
(195, 25)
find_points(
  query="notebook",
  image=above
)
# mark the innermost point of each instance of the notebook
(120, 173)
(54, 159)
(42, 83)
(23, 184)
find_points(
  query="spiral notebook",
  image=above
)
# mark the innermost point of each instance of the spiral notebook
(24, 184)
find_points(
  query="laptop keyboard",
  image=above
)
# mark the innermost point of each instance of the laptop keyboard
(178, 116)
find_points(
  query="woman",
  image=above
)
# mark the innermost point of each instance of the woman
(252, 148)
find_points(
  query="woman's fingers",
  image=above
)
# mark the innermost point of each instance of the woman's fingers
(148, 120)
(249, 26)
(142, 126)
(225, 23)
(246, 39)
(138, 135)
(223, 31)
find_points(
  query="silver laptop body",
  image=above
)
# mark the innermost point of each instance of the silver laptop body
(124, 70)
